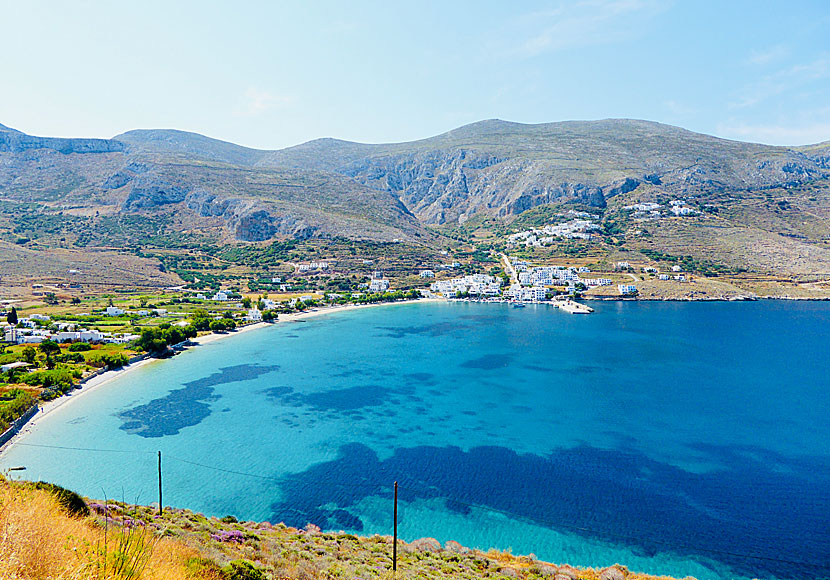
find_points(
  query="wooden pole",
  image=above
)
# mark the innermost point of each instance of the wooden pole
(395, 536)
(160, 504)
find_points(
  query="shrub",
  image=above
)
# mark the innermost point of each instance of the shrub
(73, 503)
(60, 379)
(13, 404)
(79, 347)
(242, 570)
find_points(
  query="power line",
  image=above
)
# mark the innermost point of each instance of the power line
(381, 488)
(133, 451)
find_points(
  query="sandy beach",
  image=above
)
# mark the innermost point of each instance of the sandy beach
(103, 379)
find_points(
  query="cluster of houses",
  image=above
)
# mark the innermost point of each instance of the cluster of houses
(555, 275)
(650, 210)
(676, 273)
(30, 331)
(575, 229)
(473, 284)
(312, 266)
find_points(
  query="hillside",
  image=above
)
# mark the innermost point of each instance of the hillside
(755, 207)
(117, 541)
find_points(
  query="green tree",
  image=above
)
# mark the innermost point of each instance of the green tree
(246, 302)
(49, 347)
(11, 317)
(29, 353)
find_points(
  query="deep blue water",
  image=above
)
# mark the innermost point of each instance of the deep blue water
(674, 438)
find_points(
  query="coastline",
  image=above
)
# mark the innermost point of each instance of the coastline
(101, 380)
(92, 384)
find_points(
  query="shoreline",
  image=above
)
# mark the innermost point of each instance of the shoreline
(92, 384)
(101, 380)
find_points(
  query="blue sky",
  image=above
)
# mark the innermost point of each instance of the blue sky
(273, 74)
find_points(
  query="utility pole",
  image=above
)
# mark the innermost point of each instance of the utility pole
(395, 536)
(160, 504)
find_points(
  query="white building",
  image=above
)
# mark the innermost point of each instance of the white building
(220, 296)
(113, 311)
(626, 289)
(426, 274)
(378, 285)
(676, 268)
(478, 284)
(254, 315)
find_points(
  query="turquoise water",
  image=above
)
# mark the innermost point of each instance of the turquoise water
(674, 438)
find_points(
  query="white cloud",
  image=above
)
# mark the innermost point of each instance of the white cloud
(786, 80)
(256, 102)
(777, 134)
(769, 55)
(583, 23)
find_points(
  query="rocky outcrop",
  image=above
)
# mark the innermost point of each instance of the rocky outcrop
(247, 219)
(16, 142)
(149, 191)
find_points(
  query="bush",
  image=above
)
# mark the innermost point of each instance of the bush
(13, 404)
(73, 503)
(60, 379)
(79, 347)
(242, 570)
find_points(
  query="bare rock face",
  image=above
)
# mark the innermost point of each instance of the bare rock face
(455, 547)
(16, 142)
(426, 545)
(613, 573)
(150, 191)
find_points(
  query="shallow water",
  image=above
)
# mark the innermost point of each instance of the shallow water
(675, 438)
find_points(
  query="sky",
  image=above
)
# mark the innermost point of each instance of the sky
(275, 74)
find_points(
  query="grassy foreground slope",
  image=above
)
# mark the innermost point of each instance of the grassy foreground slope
(40, 540)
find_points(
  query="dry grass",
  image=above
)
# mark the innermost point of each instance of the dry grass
(39, 541)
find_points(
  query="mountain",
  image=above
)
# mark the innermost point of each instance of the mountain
(185, 183)
(205, 184)
(501, 169)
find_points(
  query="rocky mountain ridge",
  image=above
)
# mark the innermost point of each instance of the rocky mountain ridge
(328, 187)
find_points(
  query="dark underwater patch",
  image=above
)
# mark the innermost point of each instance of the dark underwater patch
(338, 400)
(187, 406)
(434, 330)
(488, 362)
(425, 378)
(752, 507)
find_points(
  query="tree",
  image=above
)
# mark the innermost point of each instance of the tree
(29, 354)
(11, 317)
(49, 347)
(246, 302)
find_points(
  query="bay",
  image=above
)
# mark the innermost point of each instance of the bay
(674, 438)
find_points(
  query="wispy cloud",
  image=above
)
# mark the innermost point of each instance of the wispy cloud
(769, 55)
(583, 23)
(777, 134)
(789, 79)
(256, 102)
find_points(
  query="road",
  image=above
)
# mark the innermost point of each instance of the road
(508, 267)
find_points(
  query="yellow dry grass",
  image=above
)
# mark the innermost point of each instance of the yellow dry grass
(39, 541)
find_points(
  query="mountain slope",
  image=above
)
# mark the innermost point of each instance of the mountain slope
(174, 184)
(501, 169)
(194, 183)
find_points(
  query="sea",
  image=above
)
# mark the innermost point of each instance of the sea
(676, 438)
